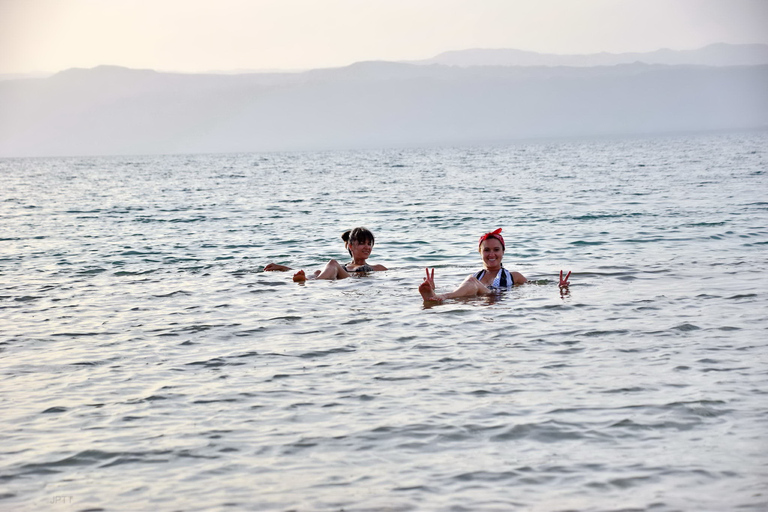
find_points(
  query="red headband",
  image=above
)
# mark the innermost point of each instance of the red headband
(493, 234)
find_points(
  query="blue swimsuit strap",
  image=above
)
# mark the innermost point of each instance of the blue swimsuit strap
(502, 280)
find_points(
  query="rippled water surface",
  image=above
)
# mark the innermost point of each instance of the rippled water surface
(148, 362)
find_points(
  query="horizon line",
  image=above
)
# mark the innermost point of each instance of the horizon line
(245, 71)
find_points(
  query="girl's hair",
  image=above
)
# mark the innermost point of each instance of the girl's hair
(359, 235)
(493, 234)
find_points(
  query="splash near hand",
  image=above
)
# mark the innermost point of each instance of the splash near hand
(564, 282)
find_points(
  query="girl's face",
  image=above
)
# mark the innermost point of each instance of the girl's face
(492, 252)
(360, 250)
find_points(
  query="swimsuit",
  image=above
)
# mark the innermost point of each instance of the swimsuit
(362, 268)
(502, 281)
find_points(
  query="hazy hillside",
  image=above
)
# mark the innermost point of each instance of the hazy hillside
(110, 110)
(720, 54)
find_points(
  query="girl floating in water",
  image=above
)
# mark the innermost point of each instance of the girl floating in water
(493, 277)
(359, 243)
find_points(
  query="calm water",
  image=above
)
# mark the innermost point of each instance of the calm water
(148, 362)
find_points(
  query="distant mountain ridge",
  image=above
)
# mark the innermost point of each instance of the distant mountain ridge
(112, 110)
(719, 54)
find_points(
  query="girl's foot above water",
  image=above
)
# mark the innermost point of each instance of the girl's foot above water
(427, 293)
(427, 288)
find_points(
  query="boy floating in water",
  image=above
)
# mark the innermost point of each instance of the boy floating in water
(359, 242)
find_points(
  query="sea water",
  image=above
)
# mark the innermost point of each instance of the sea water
(148, 362)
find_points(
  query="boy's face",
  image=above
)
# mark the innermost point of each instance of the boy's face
(360, 250)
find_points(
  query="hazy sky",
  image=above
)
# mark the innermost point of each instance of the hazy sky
(205, 35)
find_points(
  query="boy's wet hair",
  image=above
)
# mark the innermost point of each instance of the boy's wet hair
(359, 235)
